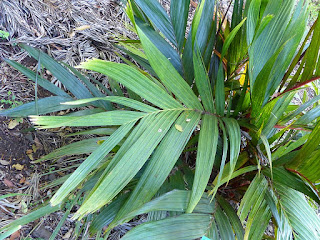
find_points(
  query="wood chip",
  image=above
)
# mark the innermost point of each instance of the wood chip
(68, 234)
(4, 162)
(22, 180)
(15, 235)
(83, 27)
(8, 183)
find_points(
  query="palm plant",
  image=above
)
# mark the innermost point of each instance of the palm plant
(198, 125)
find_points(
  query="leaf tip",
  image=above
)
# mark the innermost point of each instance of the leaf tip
(86, 63)
(33, 118)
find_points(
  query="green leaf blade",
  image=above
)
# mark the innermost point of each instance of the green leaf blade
(301, 216)
(41, 81)
(161, 163)
(179, 15)
(168, 74)
(134, 80)
(164, 47)
(128, 102)
(29, 218)
(112, 118)
(44, 106)
(207, 147)
(81, 147)
(220, 92)
(230, 38)
(129, 164)
(90, 163)
(203, 82)
(158, 17)
(183, 227)
(63, 75)
(234, 134)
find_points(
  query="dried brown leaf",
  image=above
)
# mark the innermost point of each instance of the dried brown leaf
(8, 183)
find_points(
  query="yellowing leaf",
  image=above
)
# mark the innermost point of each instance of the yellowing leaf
(13, 123)
(18, 166)
(243, 76)
(100, 142)
(29, 153)
(178, 127)
(34, 148)
(30, 156)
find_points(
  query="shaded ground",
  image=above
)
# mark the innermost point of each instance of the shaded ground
(14, 143)
(13, 147)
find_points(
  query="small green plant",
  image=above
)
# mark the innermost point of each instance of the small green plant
(4, 35)
(11, 100)
(206, 120)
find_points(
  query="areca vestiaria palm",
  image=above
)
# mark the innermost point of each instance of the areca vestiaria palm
(222, 94)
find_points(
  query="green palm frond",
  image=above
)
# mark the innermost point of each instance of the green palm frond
(202, 119)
